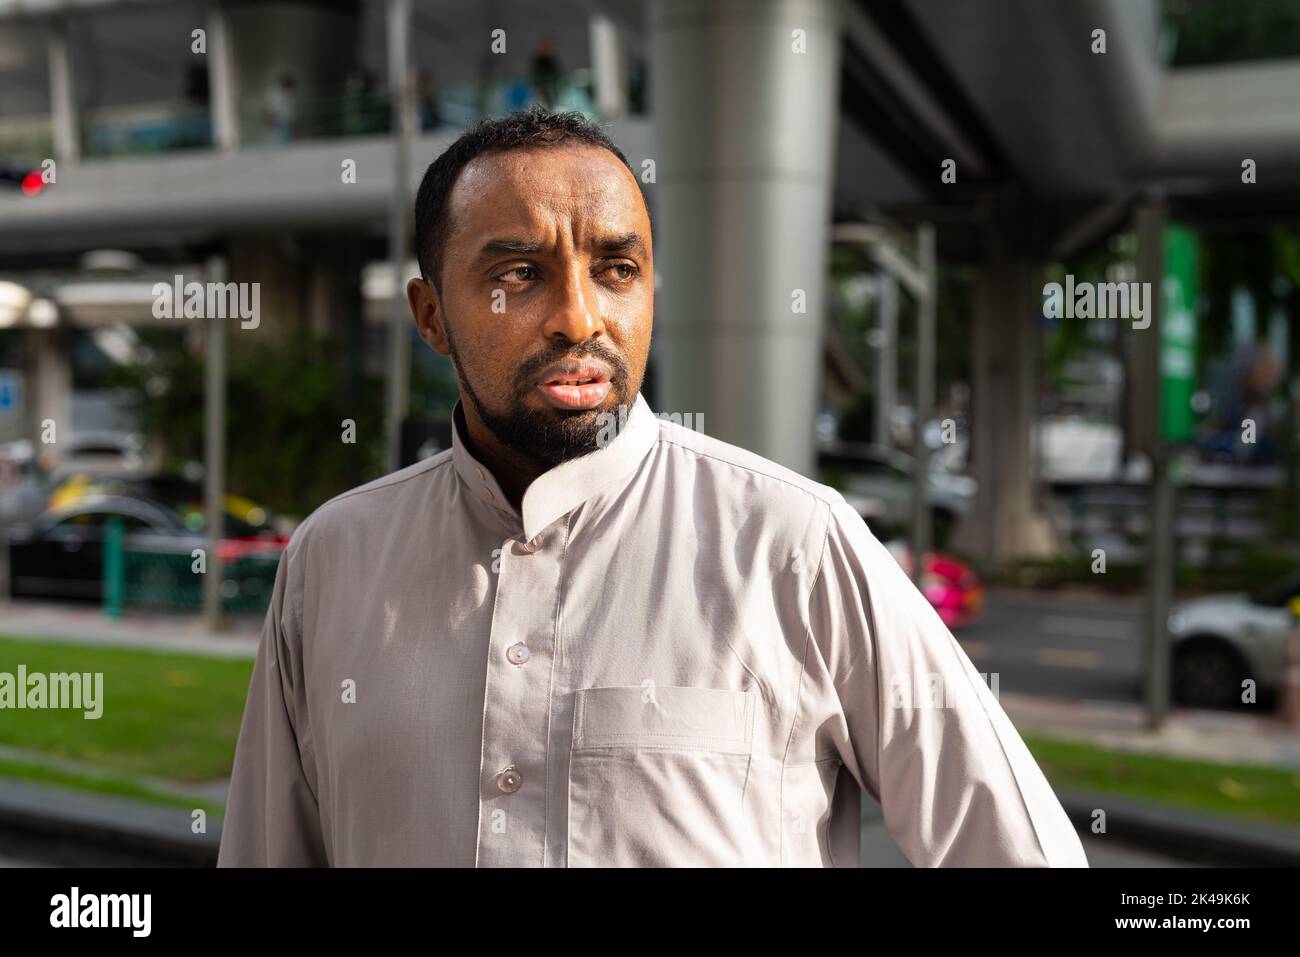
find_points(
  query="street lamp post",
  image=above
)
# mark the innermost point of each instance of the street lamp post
(919, 279)
(214, 441)
(402, 91)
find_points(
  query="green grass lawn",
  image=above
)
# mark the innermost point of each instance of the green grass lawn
(164, 715)
(177, 717)
(1262, 793)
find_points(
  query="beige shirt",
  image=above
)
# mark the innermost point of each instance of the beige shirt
(679, 654)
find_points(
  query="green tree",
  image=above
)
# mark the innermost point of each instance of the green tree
(286, 403)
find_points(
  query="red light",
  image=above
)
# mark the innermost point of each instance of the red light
(32, 184)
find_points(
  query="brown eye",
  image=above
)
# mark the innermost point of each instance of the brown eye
(517, 274)
(624, 271)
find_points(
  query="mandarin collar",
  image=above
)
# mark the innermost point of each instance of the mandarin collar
(563, 488)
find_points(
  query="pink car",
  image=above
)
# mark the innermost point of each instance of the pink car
(952, 587)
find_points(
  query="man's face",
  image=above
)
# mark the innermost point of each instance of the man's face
(547, 279)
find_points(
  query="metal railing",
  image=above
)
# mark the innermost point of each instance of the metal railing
(265, 118)
(165, 578)
(145, 129)
(313, 117)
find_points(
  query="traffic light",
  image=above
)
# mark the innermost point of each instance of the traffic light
(24, 178)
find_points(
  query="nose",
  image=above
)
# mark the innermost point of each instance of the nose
(573, 314)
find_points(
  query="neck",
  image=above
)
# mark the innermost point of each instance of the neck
(513, 470)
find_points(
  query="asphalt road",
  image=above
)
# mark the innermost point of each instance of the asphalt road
(22, 849)
(1059, 645)
(880, 851)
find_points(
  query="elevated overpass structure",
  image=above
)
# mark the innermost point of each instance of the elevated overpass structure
(767, 121)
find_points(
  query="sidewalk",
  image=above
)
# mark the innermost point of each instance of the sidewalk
(154, 631)
(1194, 735)
(1219, 737)
(211, 791)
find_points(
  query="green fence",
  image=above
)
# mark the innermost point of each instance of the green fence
(173, 579)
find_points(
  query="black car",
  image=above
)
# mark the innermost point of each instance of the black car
(61, 555)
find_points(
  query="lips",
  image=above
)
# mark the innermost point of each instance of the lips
(575, 373)
(586, 380)
(575, 386)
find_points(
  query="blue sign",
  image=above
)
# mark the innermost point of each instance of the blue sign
(10, 391)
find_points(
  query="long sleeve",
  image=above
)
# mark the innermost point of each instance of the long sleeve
(923, 733)
(272, 818)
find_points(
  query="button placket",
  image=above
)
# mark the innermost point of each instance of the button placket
(517, 702)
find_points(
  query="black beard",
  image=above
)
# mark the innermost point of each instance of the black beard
(556, 435)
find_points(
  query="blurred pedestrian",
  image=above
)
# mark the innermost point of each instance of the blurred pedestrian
(427, 101)
(282, 108)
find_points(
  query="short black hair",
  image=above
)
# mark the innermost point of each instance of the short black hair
(535, 127)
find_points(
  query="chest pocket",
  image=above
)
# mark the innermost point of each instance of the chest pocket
(657, 777)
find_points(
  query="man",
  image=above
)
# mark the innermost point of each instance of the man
(588, 636)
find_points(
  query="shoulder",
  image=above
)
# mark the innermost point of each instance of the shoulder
(744, 483)
(821, 511)
(796, 512)
(748, 470)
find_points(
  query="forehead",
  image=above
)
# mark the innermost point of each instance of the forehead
(577, 186)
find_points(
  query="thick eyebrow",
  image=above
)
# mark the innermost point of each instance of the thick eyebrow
(495, 247)
(608, 245)
(627, 243)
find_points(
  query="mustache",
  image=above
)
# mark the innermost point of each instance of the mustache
(533, 366)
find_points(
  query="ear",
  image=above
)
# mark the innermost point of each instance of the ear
(426, 308)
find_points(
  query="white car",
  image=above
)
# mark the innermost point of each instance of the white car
(1219, 641)
(102, 454)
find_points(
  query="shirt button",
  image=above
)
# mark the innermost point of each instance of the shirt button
(526, 548)
(518, 653)
(480, 473)
(487, 492)
(509, 780)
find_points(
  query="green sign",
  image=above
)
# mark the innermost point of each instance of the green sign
(1178, 335)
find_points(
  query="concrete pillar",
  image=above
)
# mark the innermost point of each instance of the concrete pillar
(608, 67)
(306, 284)
(278, 264)
(48, 388)
(1005, 521)
(745, 100)
(63, 100)
(333, 277)
(222, 80)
